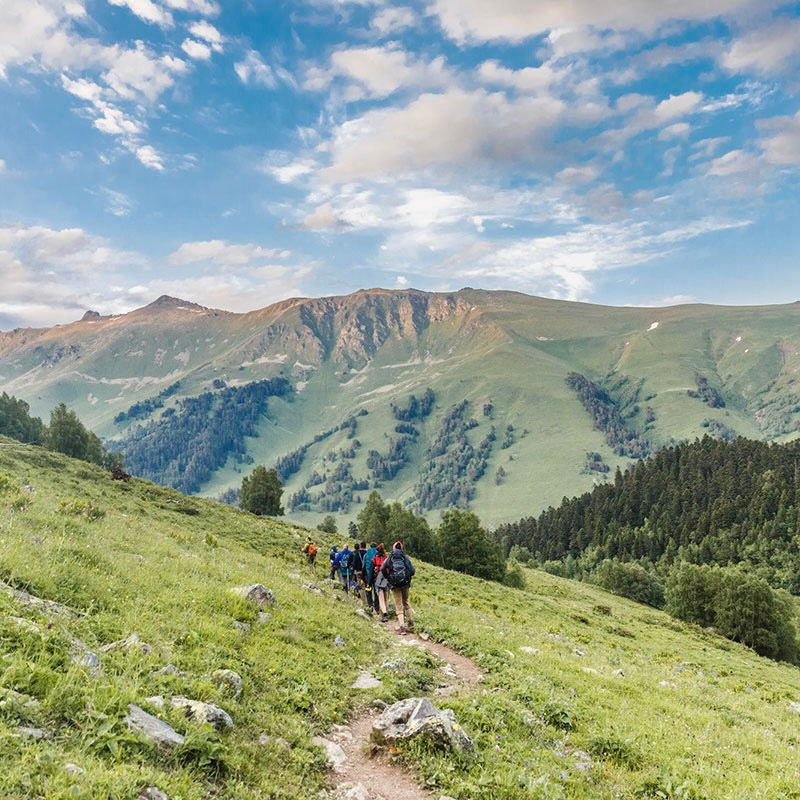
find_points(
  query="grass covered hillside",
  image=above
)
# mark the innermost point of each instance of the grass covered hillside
(585, 695)
(533, 399)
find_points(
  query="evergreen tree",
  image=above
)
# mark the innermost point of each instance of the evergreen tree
(413, 531)
(67, 434)
(465, 546)
(373, 517)
(328, 524)
(16, 421)
(261, 493)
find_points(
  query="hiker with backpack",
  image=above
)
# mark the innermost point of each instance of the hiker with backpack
(399, 571)
(334, 552)
(310, 552)
(343, 565)
(381, 583)
(369, 579)
(357, 565)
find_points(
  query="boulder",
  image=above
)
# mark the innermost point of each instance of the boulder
(333, 752)
(153, 728)
(366, 681)
(338, 641)
(203, 712)
(257, 593)
(417, 716)
(152, 793)
(228, 680)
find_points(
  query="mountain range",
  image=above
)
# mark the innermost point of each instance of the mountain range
(496, 401)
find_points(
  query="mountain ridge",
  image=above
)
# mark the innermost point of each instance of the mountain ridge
(507, 354)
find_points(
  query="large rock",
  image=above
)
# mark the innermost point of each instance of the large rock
(417, 716)
(257, 593)
(153, 728)
(203, 712)
(337, 758)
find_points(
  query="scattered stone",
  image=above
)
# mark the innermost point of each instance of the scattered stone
(590, 671)
(25, 624)
(132, 642)
(341, 733)
(152, 727)
(73, 769)
(531, 651)
(333, 752)
(156, 700)
(295, 576)
(424, 636)
(264, 617)
(670, 685)
(36, 603)
(168, 670)
(199, 711)
(12, 697)
(579, 653)
(419, 717)
(87, 659)
(366, 681)
(618, 673)
(312, 587)
(583, 761)
(353, 792)
(794, 706)
(28, 489)
(242, 627)
(152, 793)
(37, 734)
(398, 665)
(381, 705)
(557, 637)
(362, 613)
(338, 641)
(257, 593)
(38, 540)
(229, 680)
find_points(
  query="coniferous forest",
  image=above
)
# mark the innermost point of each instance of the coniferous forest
(711, 502)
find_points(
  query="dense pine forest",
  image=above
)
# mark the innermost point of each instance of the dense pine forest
(708, 502)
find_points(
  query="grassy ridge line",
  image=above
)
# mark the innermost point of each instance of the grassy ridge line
(692, 715)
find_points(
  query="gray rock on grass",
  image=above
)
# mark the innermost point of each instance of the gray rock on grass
(338, 641)
(132, 642)
(337, 758)
(366, 681)
(417, 716)
(256, 593)
(153, 728)
(37, 734)
(198, 711)
(228, 680)
(152, 793)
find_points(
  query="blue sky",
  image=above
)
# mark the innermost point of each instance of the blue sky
(236, 153)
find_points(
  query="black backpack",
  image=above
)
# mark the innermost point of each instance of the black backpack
(398, 570)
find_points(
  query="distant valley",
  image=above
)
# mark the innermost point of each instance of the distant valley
(495, 401)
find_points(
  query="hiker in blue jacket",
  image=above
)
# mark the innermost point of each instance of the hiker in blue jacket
(399, 571)
(342, 562)
(369, 579)
(334, 551)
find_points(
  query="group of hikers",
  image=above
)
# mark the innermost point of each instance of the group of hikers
(370, 574)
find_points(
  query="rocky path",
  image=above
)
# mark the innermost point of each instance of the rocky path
(364, 772)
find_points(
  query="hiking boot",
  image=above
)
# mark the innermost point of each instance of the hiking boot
(402, 630)
(384, 617)
(410, 627)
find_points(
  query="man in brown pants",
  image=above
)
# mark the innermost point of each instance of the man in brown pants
(399, 571)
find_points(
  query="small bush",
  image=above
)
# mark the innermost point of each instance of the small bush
(560, 714)
(630, 580)
(619, 751)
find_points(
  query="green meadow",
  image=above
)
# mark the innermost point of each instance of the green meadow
(585, 695)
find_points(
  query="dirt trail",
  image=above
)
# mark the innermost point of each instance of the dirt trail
(368, 773)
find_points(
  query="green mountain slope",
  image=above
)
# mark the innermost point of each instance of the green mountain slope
(669, 374)
(585, 695)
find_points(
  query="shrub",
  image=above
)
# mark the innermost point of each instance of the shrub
(630, 580)
(515, 577)
(83, 508)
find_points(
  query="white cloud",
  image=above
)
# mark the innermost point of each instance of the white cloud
(734, 162)
(117, 203)
(207, 8)
(528, 79)
(678, 130)
(782, 148)
(208, 33)
(196, 50)
(766, 50)
(147, 10)
(253, 70)
(517, 20)
(222, 253)
(378, 71)
(3, 166)
(149, 157)
(390, 20)
(444, 131)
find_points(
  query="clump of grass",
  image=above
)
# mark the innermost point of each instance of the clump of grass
(619, 751)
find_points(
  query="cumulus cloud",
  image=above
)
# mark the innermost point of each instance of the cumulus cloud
(766, 50)
(222, 253)
(207, 8)
(147, 10)
(378, 72)
(781, 147)
(197, 50)
(515, 21)
(391, 20)
(208, 33)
